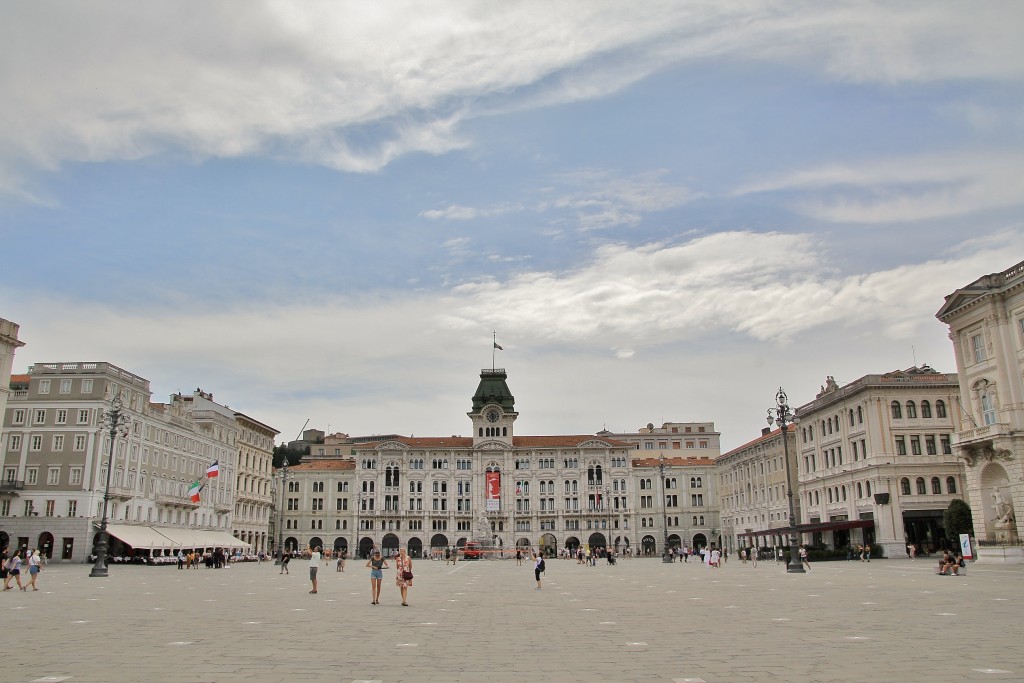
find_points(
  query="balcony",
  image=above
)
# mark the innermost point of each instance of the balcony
(177, 501)
(988, 442)
(12, 486)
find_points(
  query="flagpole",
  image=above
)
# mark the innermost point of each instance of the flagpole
(494, 347)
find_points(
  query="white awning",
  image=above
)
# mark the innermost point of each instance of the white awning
(138, 537)
(200, 538)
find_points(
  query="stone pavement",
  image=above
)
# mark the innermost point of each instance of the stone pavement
(888, 620)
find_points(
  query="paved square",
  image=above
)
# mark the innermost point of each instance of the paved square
(888, 620)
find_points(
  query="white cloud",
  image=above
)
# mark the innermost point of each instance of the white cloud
(903, 189)
(705, 308)
(354, 86)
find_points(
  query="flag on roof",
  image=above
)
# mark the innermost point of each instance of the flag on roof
(497, 346)
(213, 470)
(193, 491)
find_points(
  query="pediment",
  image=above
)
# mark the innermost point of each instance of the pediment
(391, 446)
(958, 300)
(594, 443)
(491, 446)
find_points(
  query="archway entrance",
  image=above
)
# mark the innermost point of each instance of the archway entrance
(699, 541)
(46, 545)
(439, 541)
(340, 544)
(572, 543)
(365, 547)
(291, 544)
(649, 545)
(523, 543)
(415, 547)
(674, 541)
(390, 545)
(597, 540)
(548, 544)
(316, 542)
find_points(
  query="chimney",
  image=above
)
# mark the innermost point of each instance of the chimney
(765, 431)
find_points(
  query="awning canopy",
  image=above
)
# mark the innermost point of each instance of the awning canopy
(812, 528)
(138, 537)
(200, 538)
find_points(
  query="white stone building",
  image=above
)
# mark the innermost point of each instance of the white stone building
(56, 451)
(875, 460)
(986, 326)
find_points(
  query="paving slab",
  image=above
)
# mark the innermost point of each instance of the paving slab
(641, 620)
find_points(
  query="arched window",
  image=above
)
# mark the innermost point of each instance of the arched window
(702, 520)
(860, 490)
(804, 431)
(695, 520)
(830, 425)
(810, 433)
(940, 408)
(911, 409)
(936, 485)
(905, 486)
(950, 485)
(844, 493)
(926, 409)
(860, 415)
(897, 410)
(851, 417)
(830, 495)
(921, 490)
(867, 489)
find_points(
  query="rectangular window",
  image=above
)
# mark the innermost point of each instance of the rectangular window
(44, 386)
(65, 386)
(62, 417)
(83, 416)
(14, 442)
(944, 442)
(51, 506)
(58, 442)
(53, 476)
(72, 508)
(39, 416)
(19, 417)
(80, 442)
(75, 475)
(929, 444)
(977, 347)
(86, 386)
(32, 475)
(901, 446)
(915, 445)
(10, 473)
(37, 443)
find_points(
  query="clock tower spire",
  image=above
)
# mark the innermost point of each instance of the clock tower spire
(494, 409)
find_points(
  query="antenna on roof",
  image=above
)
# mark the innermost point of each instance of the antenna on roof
(913, 352)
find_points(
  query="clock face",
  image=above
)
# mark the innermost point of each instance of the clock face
(493, 415)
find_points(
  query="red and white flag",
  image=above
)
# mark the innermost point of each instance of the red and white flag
(213, 470)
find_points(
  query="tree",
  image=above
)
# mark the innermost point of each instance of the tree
(294, 455)
(957, 519)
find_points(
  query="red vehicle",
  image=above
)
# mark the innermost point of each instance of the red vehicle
(472, 551)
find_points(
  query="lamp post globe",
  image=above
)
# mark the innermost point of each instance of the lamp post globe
(280, 527)
(116, 421)
(782, 415)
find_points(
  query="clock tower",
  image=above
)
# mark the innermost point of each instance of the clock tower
(494, 410)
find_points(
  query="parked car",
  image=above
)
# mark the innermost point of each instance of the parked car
(472, 551)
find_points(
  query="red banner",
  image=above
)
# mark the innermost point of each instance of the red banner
(493, 491)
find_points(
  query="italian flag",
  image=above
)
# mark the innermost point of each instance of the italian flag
(193, 491)
(213, 470)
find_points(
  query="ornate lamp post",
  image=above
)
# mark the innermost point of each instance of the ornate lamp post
(662, 467)
(280, 527)
(117, 421)
(783, 416)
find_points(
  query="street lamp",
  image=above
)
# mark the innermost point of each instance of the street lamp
(662, 466)
(280, 527)
(782, 415)
(117, 421)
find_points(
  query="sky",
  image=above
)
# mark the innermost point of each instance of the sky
(662, 211)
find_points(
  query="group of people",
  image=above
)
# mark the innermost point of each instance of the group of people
(11, 564)
(951, 563)
(376, 564)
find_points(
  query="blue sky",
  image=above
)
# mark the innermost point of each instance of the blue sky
(665, 211)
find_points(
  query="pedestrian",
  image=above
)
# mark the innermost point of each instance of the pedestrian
(341, 561)
(538, 567)
(181, 559)
(4, 573)
(519, 557)
(314, 565)
(377, 565)
(753, 557)
(13, 571)
(913, 551)
(403, 575)
(35, 566)
(285, 559)
(803, 557)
